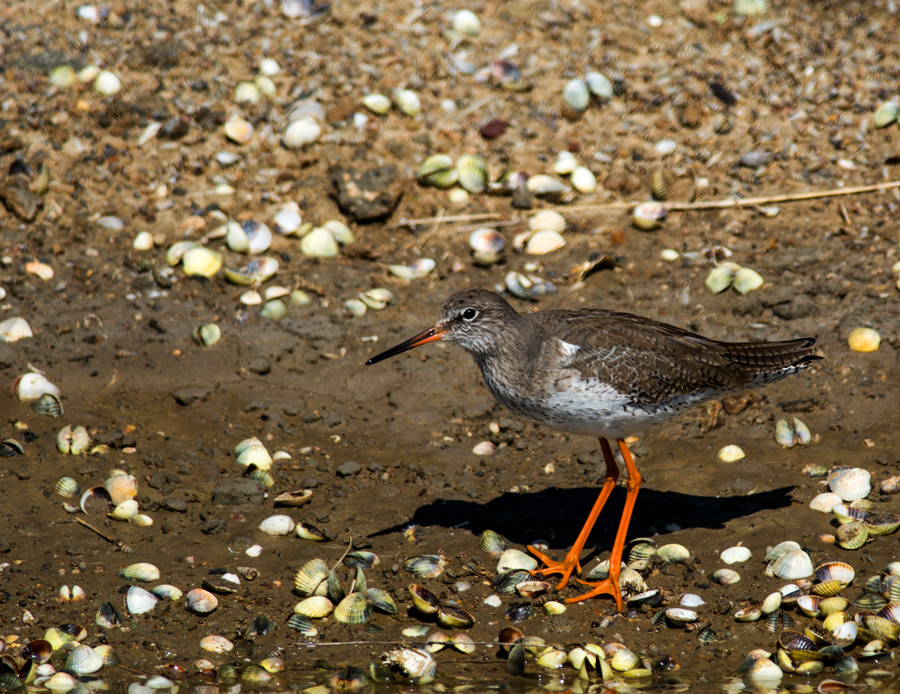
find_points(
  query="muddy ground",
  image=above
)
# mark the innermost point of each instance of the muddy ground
(114, 331)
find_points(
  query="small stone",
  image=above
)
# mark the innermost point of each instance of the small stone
(349, 469)
(366, 195)
(239, 491)
(176, 505)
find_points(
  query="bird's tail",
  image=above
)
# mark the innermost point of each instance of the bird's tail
(764, 362)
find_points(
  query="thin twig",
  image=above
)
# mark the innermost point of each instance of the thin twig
(121, 545)
(453, 218)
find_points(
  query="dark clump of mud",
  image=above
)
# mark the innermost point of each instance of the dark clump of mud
(780, 103)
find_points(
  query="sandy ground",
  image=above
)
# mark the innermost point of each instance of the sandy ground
(113, 326)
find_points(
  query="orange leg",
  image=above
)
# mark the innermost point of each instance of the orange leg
(570, 563)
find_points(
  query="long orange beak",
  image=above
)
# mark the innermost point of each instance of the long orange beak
(430, 335)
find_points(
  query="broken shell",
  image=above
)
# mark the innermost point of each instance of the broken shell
(310, 576)
(353, 609)
(277, 525)
(473, 173)
(543, 242)
(576, 95)
(747, 280)
(15, 329)
(731, 454)
(734, 555)
(202, 262)
(438, 171)
(649, 215)
(48, 405)
(138, 600)
(320, 243)
(417, 665)
(238, 130)
(297, 498)
(791, 565)
(864, 340)
(301, 132)
(73, 440)
(96, 500)
(200, 601)
(548, 188)
(32, 386)
(583, 180)
(850, 483)
(121, 488)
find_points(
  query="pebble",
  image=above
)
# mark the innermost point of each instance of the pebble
(349, 469)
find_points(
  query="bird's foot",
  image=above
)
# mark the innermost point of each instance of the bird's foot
(565, 567)
(607, 586)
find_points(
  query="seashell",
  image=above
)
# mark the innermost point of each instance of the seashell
(554, 608)
(288, 220)
(424, 600)
(772, 603)
(472, 172)
(649, 215)
(731, 453)
(73, 440)
(885, 114)
(454, 617)
(466, 22)
(37, 650)
(419, 268)
(520, 613)
(96, 500)
(125, 511)
(294, 499)
(802, 433)
(138, 600)
(238, 130)
(62, 76)
(599, 85)
(275, 309)
(353, 609)
(515, 560)
(121, 488)
(576, 96)
(48, 405)
(355, 307)
(308, 578)
(847, 514)
(748, 8)
(207, 334)
(673, 554)
(166, 591)
(528, 287)
(216, 644)
(845, 634)
(10, 448)
(583, 180)
(552, 658)
(564, 165)
(252, 452)
(340, 231)
(747, 280)
(68, 488)
(319, 243)
(852, 535)
(882, 525)
(863, 340)
(493, 543)
(107, 83)
(314, 607)
(809, 604)
(380, 600)
(720, 278)
(780, 549)
(246, 93)
(202, 262)
(15, 329)
(301, 132)
(658, 185)
(850, 483)
(378, 104)
(425, 566)
(408, 102)
(624, 659)
(60, 682)
(438, 171)
(140, 572)
(175, 253)
(543, 242)
(748, 614)
(33, 385)
(679, 616)
(791, 565)
(200, 602)
(143, 241)
(547, 220)
(548, 188)
(735, 555)
(725, 577)
(83, 660)
(825, 502)
(277, 525)
(307, 531)
(376, 299)
(141, 520)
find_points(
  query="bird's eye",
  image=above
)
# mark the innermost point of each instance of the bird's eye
(469, 314)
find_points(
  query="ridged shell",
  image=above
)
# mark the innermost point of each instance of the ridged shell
(425, 566)
(780, 549)
(547, 220)
(15, 329)
(353, 609)
(825, 502)
(138, 600)
(473, 174)
(543, 242)
(731, 453)
(253, 452)
(576, 95)
(735, 555)
(792, 565)
(850, 483)
(408, 102)
(166, 591)
(885, 114)
(882, 525)
(200, 601)
(380, 600)
(275, 309)
(719, 279)
(320, 243)
(747, 280)
(125, 511)
(493, 543)
(454, 617)
(649, 215)
(207, 334)
(68, 488)
(424, 600)
(83, 660)
(725, 577)
(852, 535)
(673, 553)
(514, 559)
(277, 525)
(309, 576)
(142, 571)
(48, 405)
(314, 607)
(438, 171)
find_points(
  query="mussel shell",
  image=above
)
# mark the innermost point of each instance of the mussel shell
(380, 600)
(454, 617)
(493, 543)
(521, 612)
(425, 566)
(438, 171)
(424, 600)
(472, 173)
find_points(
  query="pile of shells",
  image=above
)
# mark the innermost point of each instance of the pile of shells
(116, 498)
(728, 274)
(254, 458)
(35, 388)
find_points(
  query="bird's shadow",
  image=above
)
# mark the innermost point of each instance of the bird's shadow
(557, 515)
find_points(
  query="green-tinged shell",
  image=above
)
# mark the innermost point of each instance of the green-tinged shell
(493, 543)
(424, 600)
(264, 477)
(378, 104)
(784, 434)
(353, 609)
(438, 171)
(303, 624)
(355, 307)
(273, 310)
(48, 405)
(307, 531)
(552, 658)
(309, 576)
(176, 251)
(882, 525)
(673, 554)
(166, 591)
(408, 102)
(253, 452)
(380, 600)
(472, 173)
(361, 560)
(298, 297)
(885, 114)
(658, 185)
(314, 607)
(207, 334)
(750, 8)
(576, 95)
(719, 279)
(747, 280)
(376, 299)
(852, 535)
(416, 631)
(426, 565)
(320, 243)
(201, 262)
(63, 77)
(454, 617)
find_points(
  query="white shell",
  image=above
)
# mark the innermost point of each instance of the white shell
(466, 22)
(301, 132)
(599, 85)
(14, 329)
(791, 565)
(825, 502)
(107, 83)
(565, 163)
(576, 95)
(277, 525)
(851, 483)
(378, 104)
(126, 511)
(513, 560)
(139, 600)
(83, 660)
(216, 644)
(731, 453)
(143, 241)
(583, 180)
(253, 452)
(543, 242)
(735, 555)
(547, 220)
(484, 448)
(288, 220)
(320, 243)
(33, 385)
(408, 102)
(238, 130)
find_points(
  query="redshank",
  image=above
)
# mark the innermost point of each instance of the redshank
(602, 373)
